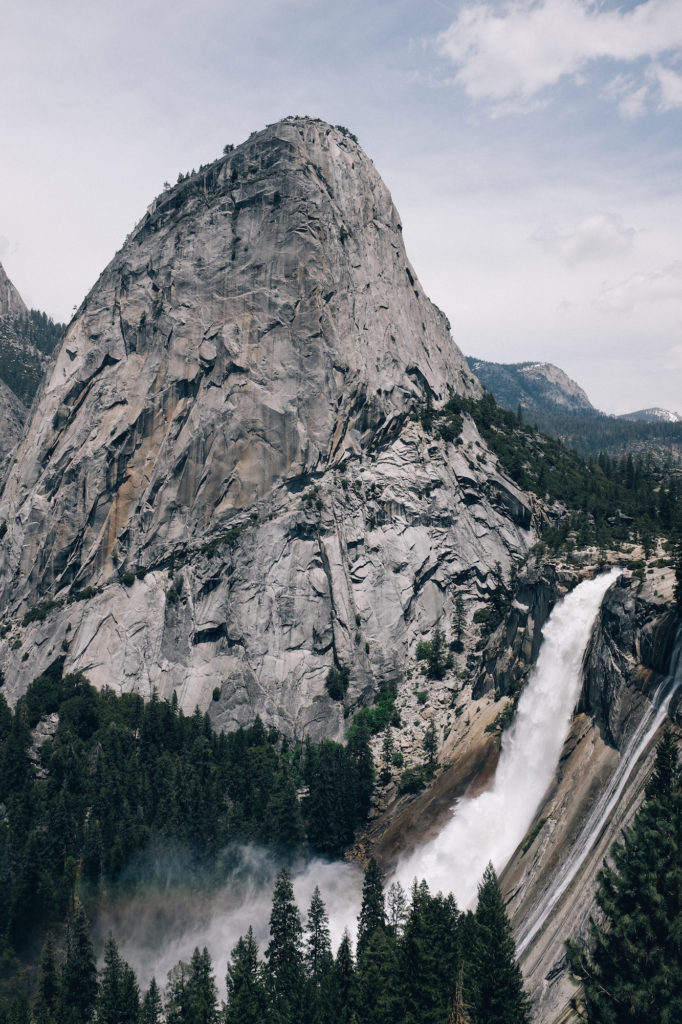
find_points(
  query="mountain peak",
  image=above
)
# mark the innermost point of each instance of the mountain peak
(653, 415)
(228, 464)
(533, 385)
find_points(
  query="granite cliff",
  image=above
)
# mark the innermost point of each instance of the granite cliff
(11, 302)
(225, 489)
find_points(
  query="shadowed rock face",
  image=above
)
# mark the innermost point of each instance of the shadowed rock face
(12, 410)
(12, 420)
(232, 404)
(11, 302)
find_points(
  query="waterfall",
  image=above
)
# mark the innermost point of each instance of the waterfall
(490, 826)
(601, 812)
(487, 828)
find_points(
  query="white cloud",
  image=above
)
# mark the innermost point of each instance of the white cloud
(671, 87)
(596, 237)
(634, 104)
(529, 45)
(659, 286)
(629, 94)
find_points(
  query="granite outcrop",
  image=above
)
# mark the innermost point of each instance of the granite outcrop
(225, 488)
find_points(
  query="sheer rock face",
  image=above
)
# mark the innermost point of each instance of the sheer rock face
(629, 653)
(11, 302)
(243, 373)
(12, 410)
(12, 421)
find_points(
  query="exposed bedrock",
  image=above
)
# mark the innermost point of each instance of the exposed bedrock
(224, 480)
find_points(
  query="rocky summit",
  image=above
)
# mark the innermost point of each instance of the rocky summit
(534, 386)
(225, 488)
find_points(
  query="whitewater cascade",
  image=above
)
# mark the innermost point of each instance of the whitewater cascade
(490, 826)
(646, 729)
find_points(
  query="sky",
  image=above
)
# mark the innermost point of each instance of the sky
(533, 149)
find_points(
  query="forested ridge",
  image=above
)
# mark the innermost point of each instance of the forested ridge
(569, 418)
(609, 501)
(26, 340)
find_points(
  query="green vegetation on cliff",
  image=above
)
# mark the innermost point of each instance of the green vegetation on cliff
(26, 341)
(611, 501)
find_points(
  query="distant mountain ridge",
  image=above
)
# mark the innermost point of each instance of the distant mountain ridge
(533, 385)
(548, 397)
(654, 415)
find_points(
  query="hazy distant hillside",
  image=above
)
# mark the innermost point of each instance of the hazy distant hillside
(654, 415)
(533, 386)
(549, 398)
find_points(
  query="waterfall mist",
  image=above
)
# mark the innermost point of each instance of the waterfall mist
(160, 925)
(490, 827)
(163, 924)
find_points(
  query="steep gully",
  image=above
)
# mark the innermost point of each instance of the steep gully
(489, 827)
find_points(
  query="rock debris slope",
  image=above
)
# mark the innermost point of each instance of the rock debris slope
(224, 488)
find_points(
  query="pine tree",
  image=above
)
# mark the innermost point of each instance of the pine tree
(386, 756)
(372, 911)
(664, 776)
(78, 988)
(378, 996)
(428, 956)
(118, 999)
(397, 908)
(459, 1011)
(430, 745)
(498, 996)
(437, 659)
(343, 988)
(319, 963)
(677, 564)
(47, 996)
(360, 759)
(318, 948)
(201, 996)
(152, 1007)
(246, 997)
(284, 954)
(633, 971)
(283, 814)
(176, 994)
